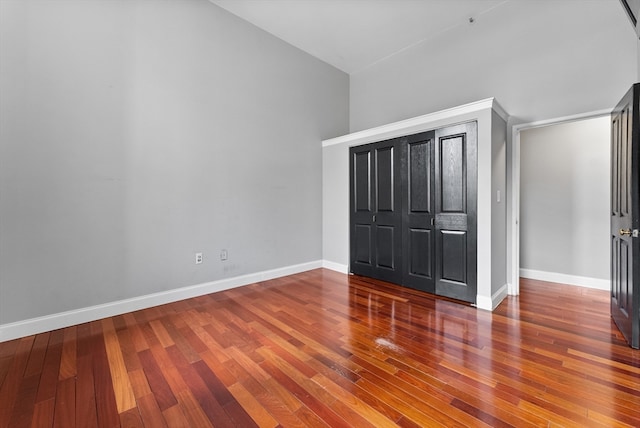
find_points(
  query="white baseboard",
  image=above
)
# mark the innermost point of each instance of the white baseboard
(78, 316)
(482, 302)
(582, 281)
(490, 303)
(338, 267)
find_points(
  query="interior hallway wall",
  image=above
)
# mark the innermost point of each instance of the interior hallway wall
(565, 200)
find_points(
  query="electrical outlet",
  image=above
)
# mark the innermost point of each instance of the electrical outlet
(224, 255)
(198, 258)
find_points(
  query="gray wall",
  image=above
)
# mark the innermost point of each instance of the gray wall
(498, 205)
(136, 133)
(539, 59)
(335, 205)
(565, 197)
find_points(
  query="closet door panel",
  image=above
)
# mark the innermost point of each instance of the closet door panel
(362, 257)
(376, 211)
(456, 186)
(387, 216)
(418, 212)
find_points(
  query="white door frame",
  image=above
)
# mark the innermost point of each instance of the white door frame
(514, 283)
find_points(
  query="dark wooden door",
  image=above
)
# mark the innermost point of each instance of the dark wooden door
(413, 211)
(625, 216)
(455, 206)
(376, 210)
(418, 207)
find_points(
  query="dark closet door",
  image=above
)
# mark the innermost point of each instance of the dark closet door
(625, 216)
(376, 210)
(418, 206)
(456, 201)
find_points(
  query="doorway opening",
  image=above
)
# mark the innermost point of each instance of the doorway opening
(560, 194)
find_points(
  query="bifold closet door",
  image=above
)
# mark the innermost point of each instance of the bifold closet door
(413, 211)
(418, 207)
(456, 152)
(376, 211)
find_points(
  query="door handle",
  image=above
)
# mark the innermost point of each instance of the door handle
(374, 218)
(624, 232)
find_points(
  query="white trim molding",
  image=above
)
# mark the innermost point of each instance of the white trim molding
(489, 304)
(561, 278)
(338, 267)
(414, 125)
(78, 316)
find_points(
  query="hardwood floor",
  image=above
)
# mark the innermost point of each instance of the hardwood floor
(325, 349)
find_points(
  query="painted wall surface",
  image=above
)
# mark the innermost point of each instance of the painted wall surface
(565, 198)
(484, 209)
(498, 204)
(335, 205)
(135, 134)
(539, 59)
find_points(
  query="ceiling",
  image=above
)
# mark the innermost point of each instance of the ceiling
(354, 34)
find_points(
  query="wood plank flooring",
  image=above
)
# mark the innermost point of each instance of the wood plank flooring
(325, 349)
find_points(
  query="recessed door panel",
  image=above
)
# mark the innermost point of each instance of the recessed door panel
(625, 163)
(615, 264)
(362, 181)
(420, 176)
(384, 177)
(421, 253)
(385, 240)
(363, 244)
(615, 167)
(454, 256)
(452, 174)
(626, 293)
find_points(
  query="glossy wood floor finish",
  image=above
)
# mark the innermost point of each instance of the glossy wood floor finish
(325, 349)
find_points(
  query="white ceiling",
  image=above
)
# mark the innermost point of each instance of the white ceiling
(354, 34)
